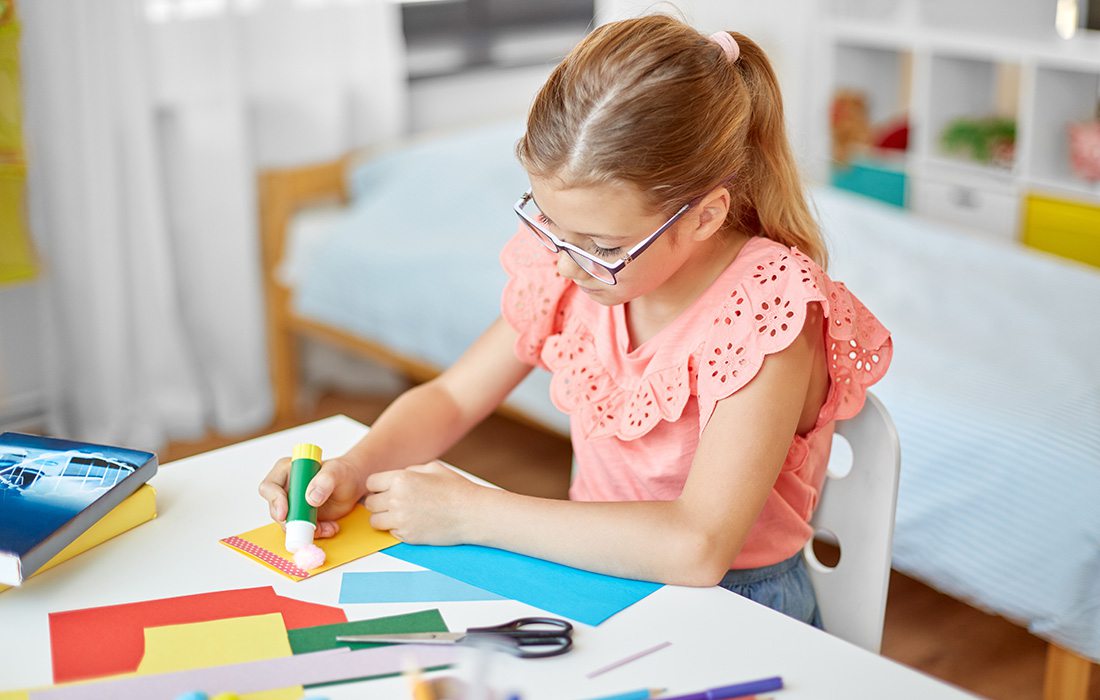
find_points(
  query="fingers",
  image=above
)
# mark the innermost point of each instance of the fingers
(384, 481)
(320, 488)
(382, 521)
(273, 489)
(326, 529)
(381, 481)
(429, 468)
(375, 503)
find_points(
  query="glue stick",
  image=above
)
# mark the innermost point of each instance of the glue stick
(301, 517)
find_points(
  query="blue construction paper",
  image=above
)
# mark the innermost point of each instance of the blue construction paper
(407, 587)
(579, 595)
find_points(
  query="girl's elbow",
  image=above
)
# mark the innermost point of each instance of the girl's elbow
(705, 560)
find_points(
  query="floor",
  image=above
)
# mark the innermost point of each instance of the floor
(924, 629)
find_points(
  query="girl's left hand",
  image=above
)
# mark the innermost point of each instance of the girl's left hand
(422, 504)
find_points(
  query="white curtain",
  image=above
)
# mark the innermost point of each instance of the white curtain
(146, 121)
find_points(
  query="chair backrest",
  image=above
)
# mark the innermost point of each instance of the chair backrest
(857, 510)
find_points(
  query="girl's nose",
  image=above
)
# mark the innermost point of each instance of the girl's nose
(569, 269)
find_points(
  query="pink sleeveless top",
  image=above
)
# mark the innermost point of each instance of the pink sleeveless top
(636, 415)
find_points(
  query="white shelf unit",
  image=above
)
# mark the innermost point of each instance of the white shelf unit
(910, 58)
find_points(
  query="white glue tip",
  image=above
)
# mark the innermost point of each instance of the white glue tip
(299, 533)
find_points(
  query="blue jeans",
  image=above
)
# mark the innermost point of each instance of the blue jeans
(785, 587)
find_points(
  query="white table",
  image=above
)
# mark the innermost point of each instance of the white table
(717, 638)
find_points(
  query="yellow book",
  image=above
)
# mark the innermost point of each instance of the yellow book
(139, 507)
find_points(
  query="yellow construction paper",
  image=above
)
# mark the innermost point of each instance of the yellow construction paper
(356, 539)
(219, 643)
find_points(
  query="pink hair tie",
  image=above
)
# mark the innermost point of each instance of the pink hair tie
(728, 44)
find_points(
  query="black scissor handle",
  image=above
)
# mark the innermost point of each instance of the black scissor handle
(521, 646)
(516, 636)
(522, 627)
(552, 646)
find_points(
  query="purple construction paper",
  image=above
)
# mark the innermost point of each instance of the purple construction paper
(254, 676)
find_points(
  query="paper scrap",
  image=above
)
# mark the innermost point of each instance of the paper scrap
(218, 643)
(76, 636)
(214, 643)
(310, 639)
(580, 595)
(266, 545)
(407, 587)
(322, 637)
(255, 676)
(625, 660)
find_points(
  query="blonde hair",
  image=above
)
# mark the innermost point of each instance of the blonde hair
(652, 102)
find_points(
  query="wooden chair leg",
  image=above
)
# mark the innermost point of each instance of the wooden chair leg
(1067, 675)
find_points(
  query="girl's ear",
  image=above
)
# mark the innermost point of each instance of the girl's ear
(711, 213)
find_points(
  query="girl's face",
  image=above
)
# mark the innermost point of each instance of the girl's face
(607, 221)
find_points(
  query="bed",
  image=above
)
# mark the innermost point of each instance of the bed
(994, 387)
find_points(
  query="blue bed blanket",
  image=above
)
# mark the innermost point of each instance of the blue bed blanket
(994, 387)
(995, 390)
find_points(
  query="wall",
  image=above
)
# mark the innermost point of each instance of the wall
(21, 370)
(783, 28)
(473, 97)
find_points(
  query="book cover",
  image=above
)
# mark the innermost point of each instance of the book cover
(53, 490)
(137, 508)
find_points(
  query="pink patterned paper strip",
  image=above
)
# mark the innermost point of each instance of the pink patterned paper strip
(267, 556)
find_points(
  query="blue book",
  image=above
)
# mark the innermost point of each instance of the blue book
(52, 490)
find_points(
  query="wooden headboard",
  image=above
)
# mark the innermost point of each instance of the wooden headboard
(282, 193)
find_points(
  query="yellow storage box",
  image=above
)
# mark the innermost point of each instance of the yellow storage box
(1063, 227)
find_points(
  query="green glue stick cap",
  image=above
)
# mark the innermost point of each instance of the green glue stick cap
(301, 519)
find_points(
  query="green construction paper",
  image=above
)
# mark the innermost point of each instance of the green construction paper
(323, 637)
(307, 639)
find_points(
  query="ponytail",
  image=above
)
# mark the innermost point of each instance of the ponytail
(768, 195)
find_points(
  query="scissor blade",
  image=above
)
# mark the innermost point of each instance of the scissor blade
(410, 638)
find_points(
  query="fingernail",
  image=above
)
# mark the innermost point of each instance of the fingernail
(314, 497)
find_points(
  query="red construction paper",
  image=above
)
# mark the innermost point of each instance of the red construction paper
(104, 641)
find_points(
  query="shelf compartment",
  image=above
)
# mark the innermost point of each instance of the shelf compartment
(869, 106)
(1062, 96)
(882, 74)
(967, 87)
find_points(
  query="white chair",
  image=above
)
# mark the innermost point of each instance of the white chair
(856, 512)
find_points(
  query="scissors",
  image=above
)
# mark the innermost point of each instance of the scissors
(514, 637)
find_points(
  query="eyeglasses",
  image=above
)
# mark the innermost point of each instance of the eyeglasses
(528, 211)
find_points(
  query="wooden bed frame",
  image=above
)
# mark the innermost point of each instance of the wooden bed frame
(283, 192)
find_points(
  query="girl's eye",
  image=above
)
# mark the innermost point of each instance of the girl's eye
(545, 220)
(606, 252)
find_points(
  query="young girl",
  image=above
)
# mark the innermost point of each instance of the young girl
(668, 273)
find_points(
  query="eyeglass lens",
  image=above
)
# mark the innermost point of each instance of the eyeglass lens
(590, 266)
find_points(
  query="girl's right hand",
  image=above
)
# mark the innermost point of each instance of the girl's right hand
(334, 491)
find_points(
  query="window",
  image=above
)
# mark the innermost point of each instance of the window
(451, 36)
